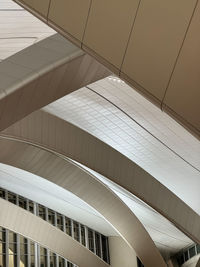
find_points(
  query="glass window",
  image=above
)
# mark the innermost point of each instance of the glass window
(61, 262)
(192, 252)
(32, 261)
(41, 212)
(43, 257)
(32, 248)
(97, 243)
(2, 193)
(90, 240)
(52, 259)
(186, 255)
(198, 248)
(60, 221)
(12, 237)
(31, 206)
(83, 235)
(24, 260)
(51, 217)
(68, 226)
(22, 203)
(69, 264)
(104, 248)
(76, 231)
(12, 198)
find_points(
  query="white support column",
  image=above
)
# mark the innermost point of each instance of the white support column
(17, 200)
(27, 204)
(35, 208)
(46, 214)
(48, 258)
(36, 255)
(80, 237)
(6, 194)
(29, 252)
(18, 250)
(86, 237)
(64, 225)
(94, 241)
(72, 228)
(7, 247)
(57, 261)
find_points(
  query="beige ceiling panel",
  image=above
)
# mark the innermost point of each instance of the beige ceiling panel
(108, 29)
(70, 15)
(158, 33)
(183, 94)
(39, 6)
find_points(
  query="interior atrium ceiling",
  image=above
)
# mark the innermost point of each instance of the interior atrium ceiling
(19, 29)
(52, 196)
(115, 113)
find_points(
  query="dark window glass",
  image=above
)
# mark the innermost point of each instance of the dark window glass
(52, 259)
(60, 221)
(68, 226)
(192, 252)
(12, 237)
(2, 193)
(186, 255)
(76, 231)
(32, 259)
(32, 248)
(104, 248)
(12, 198)
(51, 217)
(22, 202)
(97, 243)
(43, 257)
(41, 212)
(198, 248)
(61, 262)
(90, 240)
(69, 264)
(31, 206)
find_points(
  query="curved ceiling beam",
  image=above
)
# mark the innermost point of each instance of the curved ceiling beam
(25, 223)
(42, 73)
(59, 135)
(159, 61)
(71, 177)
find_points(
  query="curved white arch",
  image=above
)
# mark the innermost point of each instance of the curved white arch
(56, 169)
(73, 142)
(42, 73)
(25, 223)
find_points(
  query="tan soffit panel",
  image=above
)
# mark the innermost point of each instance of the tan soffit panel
(108, 29)
(70, 15)
(29, 225)
(63, 137)
(39, 6)
(183, 94)
(64, 173)
(157, 36)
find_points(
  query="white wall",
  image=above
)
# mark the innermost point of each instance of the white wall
(192, 262)
(121, 254)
